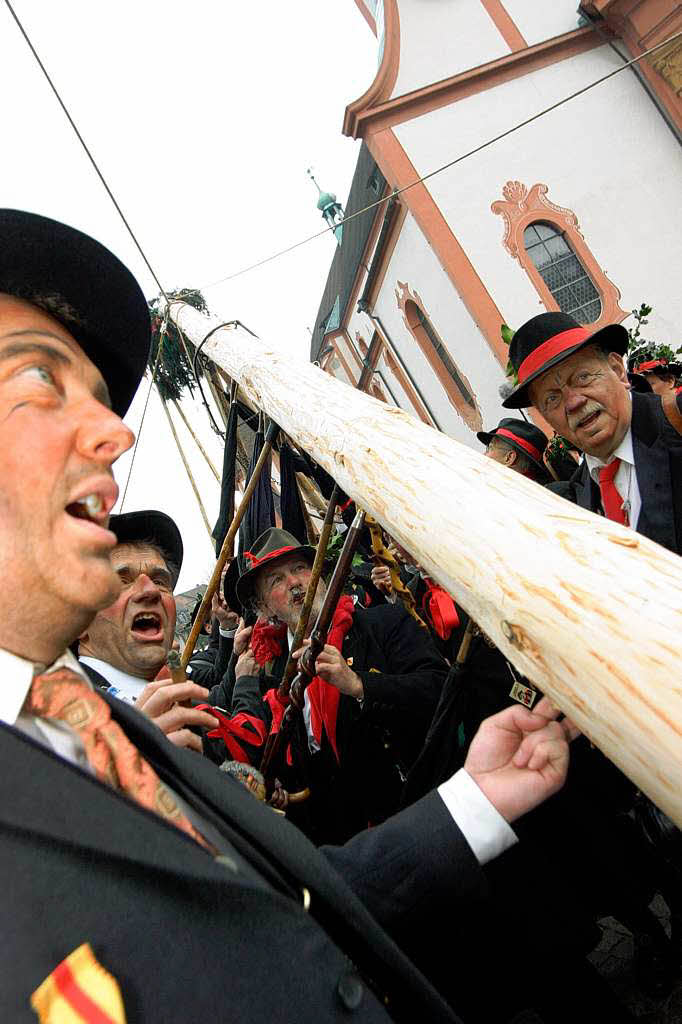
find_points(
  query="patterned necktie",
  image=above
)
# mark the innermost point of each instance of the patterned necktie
(610, 498)
(65, 696)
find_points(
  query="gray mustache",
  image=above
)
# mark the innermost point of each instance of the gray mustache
(586, 411)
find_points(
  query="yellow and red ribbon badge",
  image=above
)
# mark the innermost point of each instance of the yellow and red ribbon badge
(79, 991)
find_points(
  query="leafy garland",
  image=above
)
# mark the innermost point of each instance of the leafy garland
(642, 351)
(174, 373)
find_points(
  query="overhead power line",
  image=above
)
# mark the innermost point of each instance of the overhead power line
(443, 167)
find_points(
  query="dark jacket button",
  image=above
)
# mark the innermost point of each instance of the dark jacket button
(350, 990)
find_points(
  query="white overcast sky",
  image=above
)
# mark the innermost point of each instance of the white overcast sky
(203, 118)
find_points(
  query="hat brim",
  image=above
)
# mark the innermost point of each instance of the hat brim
(612, 338)
(244, 586)
(132, 527)
(485, 437)
(230, 581)
(40, 257)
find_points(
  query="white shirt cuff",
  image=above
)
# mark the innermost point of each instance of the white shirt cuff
(481, 824)
(226, 632)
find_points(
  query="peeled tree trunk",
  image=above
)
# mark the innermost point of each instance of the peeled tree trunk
(587, 609)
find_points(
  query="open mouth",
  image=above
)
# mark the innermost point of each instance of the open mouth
(590, 420)
(147, 626)
(92, 514)
(90, 508)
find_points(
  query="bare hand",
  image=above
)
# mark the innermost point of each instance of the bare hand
(241, 638)
(381, 578)
(518, 758)
(246, 664)
(166, 705)
(333, 667)
(227, 619)
(280, 797)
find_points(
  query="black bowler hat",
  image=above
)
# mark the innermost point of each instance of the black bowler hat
(272, 545)
(84, 287)
(526, 438)
(546, 340)
(659, 366)
(133, 527)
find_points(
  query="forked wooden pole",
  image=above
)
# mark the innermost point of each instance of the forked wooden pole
(187, 467)
(227, 547)
(198, 443)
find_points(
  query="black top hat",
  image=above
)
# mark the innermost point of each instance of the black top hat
(84, 287)
(270, 546)
(132, 527)
(546, 340)
(525, 438)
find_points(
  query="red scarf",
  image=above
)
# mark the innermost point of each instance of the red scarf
(267, 640)
(440, 609)
(323, 697)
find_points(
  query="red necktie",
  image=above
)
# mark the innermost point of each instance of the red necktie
(610, 498)
(65, 696)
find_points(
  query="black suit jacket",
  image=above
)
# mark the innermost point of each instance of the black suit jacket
(657, 449)
(190, 937)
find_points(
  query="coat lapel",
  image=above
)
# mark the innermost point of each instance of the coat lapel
(652, 466)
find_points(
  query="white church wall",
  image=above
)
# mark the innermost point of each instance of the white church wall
(608, 156)
(537, 20)
(414, 263)
(440, 38)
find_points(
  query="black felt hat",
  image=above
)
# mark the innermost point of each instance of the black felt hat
(230, 581)
(84, 287)
(132, 527)
(272, 545)
(526, 438)
(659, 366)
(546, 340)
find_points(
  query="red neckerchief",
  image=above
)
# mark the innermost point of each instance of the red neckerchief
(323, 697)
(267, 640)
(440, 609)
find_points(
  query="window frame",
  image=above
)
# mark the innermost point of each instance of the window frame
(414, 322)
(522, 207)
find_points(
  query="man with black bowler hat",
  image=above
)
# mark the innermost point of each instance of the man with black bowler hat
(518, 445)
(136, 866)
(576, 378)
(125, 647)
(631, 473)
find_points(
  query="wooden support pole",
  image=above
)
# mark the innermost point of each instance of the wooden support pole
(199, 445)
(587, 609)
(228, 544)
(187, 467)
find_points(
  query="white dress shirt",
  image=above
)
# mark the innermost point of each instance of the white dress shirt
(121, 684)
(625, 478)
(483, 827)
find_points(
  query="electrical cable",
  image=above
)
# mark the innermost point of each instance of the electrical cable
(444, 167)
(84, 145)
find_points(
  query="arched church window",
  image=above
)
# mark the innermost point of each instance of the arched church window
(456, 385)
(557, 263)
(547, 241)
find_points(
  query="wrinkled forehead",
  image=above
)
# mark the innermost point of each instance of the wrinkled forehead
(137, 557)
(559, 374)
(22, 322)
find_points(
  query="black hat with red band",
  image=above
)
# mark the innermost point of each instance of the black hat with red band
(546, 340)
(525, 438)
(272, 545)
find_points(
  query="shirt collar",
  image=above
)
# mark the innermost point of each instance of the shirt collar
(17, 674)
(115, 677)
(624, 452)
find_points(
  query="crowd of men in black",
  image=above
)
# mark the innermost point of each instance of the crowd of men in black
(406, 709)
(401, 690)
